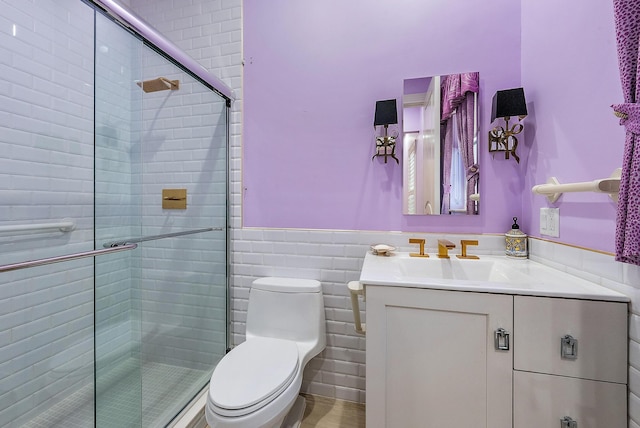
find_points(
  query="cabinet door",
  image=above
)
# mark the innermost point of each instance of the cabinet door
(541, 400)
(599, 327)
(431, 360)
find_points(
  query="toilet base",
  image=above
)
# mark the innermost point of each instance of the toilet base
(294, 417)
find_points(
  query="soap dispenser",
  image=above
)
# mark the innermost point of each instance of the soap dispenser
(516, 241)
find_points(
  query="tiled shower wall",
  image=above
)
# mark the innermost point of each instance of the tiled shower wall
(46, 175)
(183, 285)
(116, 215)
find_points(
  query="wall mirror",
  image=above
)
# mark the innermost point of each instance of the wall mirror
(440, 145)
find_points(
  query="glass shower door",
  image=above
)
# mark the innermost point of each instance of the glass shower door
(118, 368)
(161, 309)
(46, 177)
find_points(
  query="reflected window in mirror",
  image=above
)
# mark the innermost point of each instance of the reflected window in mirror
(440, 145)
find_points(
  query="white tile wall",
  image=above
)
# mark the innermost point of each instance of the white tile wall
(46, 174)
(183, 285)
(334, 258)
(209, 31)
(115, 211)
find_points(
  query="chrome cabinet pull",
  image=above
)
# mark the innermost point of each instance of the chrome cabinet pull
(501, 338)
(569, 347)
(567, 422)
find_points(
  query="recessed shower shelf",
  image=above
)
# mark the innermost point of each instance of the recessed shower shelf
(554, 189)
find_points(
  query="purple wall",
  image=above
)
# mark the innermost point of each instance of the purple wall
(570, 75)
(411, 119)
(313, 72)
(416, 86)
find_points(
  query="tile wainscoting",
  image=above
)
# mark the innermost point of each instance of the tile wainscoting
(335, 258)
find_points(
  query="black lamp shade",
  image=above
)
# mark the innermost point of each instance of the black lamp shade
(507, 103)
(386, 113)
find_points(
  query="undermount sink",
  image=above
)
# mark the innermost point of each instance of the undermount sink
(498, 274)
(489, 269)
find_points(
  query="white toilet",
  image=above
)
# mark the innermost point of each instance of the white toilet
(257, 383)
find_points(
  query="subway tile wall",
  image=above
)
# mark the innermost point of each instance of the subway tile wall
(46, 174)
(182, 145)
(334, 258)
(116, 214)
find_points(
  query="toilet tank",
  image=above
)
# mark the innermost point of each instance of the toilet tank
(287, 308)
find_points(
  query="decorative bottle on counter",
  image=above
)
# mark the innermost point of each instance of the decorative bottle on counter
(516, 241)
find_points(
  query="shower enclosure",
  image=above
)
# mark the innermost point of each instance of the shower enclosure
(113, 292)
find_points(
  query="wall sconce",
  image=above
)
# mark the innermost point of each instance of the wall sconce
(506, 104)
(386, 114)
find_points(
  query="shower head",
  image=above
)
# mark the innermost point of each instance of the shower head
(159, 84)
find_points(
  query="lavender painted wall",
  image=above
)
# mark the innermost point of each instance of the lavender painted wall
(570, 75)
(416, 86)
(411, 119)
(313, 71)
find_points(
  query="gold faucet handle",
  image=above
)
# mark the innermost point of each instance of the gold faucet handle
(421, 242)
(444, 245)
(465, 243)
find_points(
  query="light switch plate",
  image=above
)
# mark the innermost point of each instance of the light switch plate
(550, 222)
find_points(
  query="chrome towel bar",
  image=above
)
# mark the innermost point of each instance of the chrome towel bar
(65, 258)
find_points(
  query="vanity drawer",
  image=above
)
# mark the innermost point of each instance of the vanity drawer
(543, 401)
(600, 328)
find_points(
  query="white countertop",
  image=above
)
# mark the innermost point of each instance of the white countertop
(490, 274)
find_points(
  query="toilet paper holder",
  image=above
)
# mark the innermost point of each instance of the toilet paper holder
(356, 289)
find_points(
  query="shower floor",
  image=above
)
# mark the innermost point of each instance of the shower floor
(164, 388)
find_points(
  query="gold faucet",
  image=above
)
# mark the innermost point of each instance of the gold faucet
(464, 244)
(444, 246)
(421, 242)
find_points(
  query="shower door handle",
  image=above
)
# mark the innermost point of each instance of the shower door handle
(156, 237)
(65, 258)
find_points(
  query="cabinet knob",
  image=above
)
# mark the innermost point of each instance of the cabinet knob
(569, 347)
(567, 422)
(501, 339)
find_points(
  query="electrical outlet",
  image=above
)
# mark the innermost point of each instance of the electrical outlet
(550, 222)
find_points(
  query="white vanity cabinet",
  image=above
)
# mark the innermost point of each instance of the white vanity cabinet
(570, 362)
(433, 360)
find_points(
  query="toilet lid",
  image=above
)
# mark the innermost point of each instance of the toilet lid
(252, 372)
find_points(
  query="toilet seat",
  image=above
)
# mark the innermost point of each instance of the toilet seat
(252, 375)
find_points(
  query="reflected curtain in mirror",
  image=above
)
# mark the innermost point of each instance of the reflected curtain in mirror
(459, 125)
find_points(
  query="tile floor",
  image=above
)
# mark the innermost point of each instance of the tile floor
(119, 407)
(322, 412)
